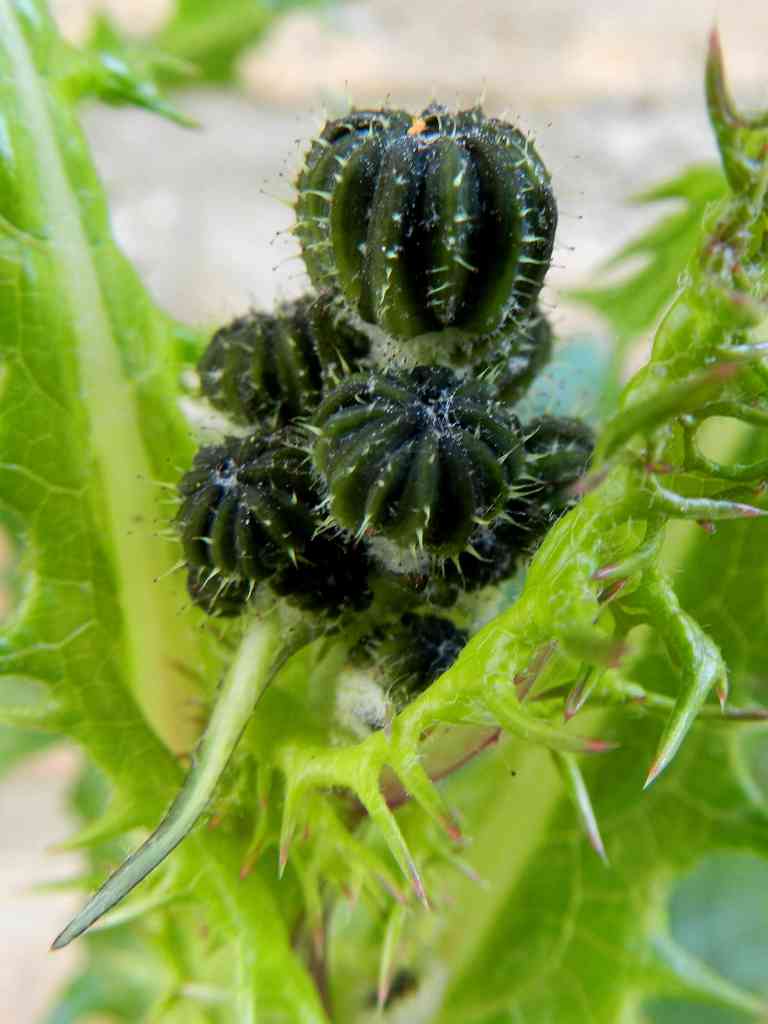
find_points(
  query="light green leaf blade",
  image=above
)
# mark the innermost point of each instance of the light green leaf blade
(88, 429)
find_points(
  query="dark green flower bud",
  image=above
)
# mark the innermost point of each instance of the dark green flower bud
(439, 221)
(341, 347)
(430, 585)
(247, 506)
(418, 457)
(330, 577)
(558, 450)
(418, 651)
(221, 596)
(494, 552)
(273, 368)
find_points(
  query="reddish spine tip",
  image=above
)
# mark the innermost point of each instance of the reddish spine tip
(724, 371)
(617, 656)
(596, 842)
(453, 830)
(750, 714)
(610, 592)
(574, 701)
(418, 888)
(523, 683)
(600, 746)
(605, 571)
(714, 42)
(590, 482)
(655, 770)
(749, 511)
(707, 526)
(382, 995)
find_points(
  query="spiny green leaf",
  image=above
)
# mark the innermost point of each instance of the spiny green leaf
(120, 71)
(558, 936)
(735, 611)
(635, 304)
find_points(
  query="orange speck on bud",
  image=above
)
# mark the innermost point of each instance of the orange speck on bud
(418, 126)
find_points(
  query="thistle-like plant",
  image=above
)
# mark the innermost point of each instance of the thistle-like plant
(327, 730)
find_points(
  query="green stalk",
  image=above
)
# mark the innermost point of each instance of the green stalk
(262, 653)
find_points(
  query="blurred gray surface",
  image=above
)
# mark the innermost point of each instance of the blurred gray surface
(32, 800)
(206, 214)
(613, 92)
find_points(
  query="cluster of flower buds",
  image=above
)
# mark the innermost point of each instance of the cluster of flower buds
(384, 463)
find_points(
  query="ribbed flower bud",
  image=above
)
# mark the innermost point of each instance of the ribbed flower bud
(426, 223)
(417, 457)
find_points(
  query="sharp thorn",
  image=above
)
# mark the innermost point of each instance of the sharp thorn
(656, 769)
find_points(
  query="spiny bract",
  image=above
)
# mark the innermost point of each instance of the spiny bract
(429, 222)
(417, 456)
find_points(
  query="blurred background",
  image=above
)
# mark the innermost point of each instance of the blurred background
(611, 89)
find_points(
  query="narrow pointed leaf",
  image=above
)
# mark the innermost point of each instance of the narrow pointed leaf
(251, 673)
